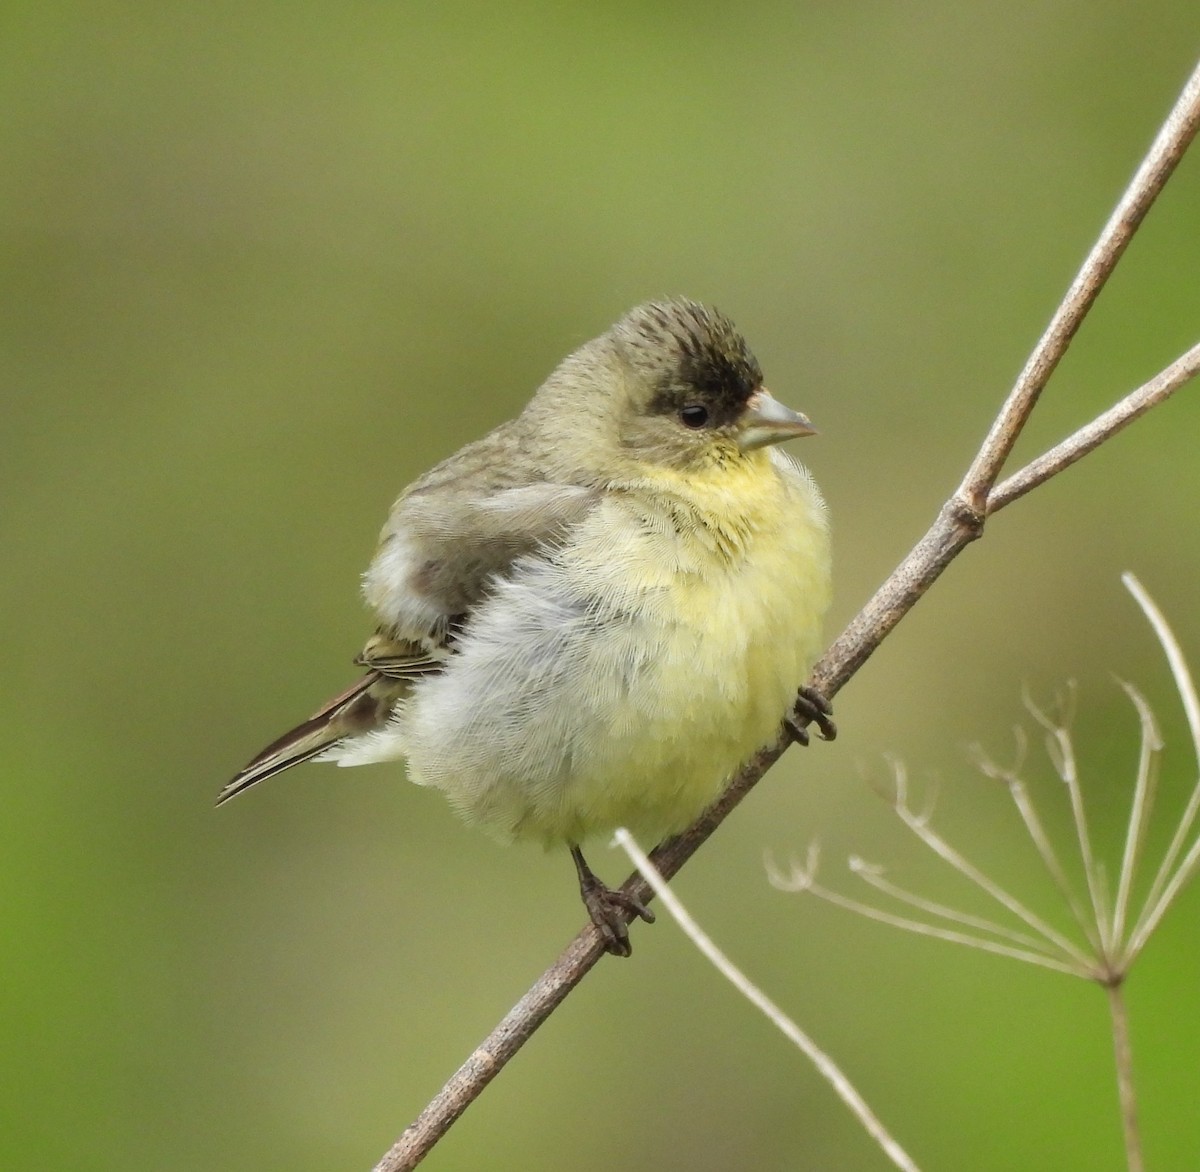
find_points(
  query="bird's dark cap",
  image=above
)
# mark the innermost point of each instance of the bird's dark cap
(690, 352)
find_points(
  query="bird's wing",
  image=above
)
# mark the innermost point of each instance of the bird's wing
(438, 552)
(401, 659)
(442, 547)
(361, 707)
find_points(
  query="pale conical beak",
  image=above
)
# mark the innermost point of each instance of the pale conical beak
(766, 420)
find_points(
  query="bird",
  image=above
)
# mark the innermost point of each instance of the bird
(591, 616)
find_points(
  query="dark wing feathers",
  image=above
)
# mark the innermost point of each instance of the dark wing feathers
(463, 542)
(364, 705)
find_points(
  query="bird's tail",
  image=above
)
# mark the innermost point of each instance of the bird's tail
(361, 708)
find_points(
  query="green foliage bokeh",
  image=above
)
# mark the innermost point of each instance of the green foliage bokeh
(263, 265)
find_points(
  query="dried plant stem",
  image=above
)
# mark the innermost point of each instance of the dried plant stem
(1061, 752)
(1092, 873)
(1152, 915)
(1175, 658)
(1169, 879)
(826, 1067)
(1049, 857)
(1123, 1058)
(873, 876)
(939, 846)
(1139, 814)
(959, 522)
(803, 880)
(1113, 946)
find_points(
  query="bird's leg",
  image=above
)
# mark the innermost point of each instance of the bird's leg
(610, 910)
(811, 708)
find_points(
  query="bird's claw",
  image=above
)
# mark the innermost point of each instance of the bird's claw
(811, 708)
(611, 912)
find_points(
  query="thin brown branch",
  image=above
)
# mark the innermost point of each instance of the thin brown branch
(489, 1058)
(959, 523)
(1165, 152)
(1162, 386)
(552, 987)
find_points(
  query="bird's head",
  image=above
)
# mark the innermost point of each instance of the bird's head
(671, 385)
(692, 391)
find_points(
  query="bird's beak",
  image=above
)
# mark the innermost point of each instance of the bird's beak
(766, 420)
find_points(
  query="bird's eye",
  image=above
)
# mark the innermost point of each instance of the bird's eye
(694, 415)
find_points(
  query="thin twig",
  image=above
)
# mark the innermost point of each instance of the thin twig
(873, 875)
(800, 880)
(1123, 1058)
(1139, 814)
(958, 524)
(1092, 870)
(1160, 388)
(1062, 754)
(1154, 913)
(1156, 168)
(1175, 657)
(940, 847)
(1041, 840)
(1114, 953)
(1167, 880)
(548, 992)
(826, 1067)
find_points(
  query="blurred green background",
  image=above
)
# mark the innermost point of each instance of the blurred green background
(266, 263)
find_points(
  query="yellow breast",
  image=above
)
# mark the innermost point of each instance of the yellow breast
(722, 582)
(621, 677)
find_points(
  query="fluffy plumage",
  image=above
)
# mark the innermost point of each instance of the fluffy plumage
(591, 616)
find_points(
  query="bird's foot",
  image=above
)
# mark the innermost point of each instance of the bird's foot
(811, 708)
(610, 910)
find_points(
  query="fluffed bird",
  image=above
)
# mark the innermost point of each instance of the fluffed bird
(590, 617)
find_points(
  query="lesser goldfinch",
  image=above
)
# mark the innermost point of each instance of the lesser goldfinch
(593, 615)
